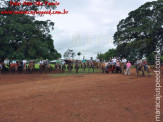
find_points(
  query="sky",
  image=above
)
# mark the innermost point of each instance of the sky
(90, 24)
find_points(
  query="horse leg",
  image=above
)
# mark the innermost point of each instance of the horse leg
(137, 72)
(148, 73)
(143, 74)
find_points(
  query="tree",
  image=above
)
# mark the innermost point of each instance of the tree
(141, 31)
(21, 36)
(107, 55)
(69, 54)
(100, 56)
(79, 54)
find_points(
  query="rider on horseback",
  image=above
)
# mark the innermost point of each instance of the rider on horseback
(41, 62)
(97, 60)
(91, 61)
(24, 62)
(145, 64)
(83, 61)
(139, 61)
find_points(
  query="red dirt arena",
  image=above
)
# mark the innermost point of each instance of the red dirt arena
(77, 98)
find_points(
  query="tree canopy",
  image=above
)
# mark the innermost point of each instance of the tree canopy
(141, 31)
(69, 54)
(22, 36)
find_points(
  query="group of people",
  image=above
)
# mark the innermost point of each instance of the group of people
(116, 61)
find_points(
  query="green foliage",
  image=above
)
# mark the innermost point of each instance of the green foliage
(21, 36)
(69, 54)
(100, 56)
(106, 56)
(161, 59)
(151, 58)
(79, 53)
(141, 31)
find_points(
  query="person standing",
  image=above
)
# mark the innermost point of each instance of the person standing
(123, 64)
(128, 66)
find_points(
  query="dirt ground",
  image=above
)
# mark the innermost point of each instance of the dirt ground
(79, 98)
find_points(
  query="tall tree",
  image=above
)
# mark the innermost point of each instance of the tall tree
(21, 36)
(141, 31)
(79, 54)
(69, 54)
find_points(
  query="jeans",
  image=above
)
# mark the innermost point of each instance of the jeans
(127, 71)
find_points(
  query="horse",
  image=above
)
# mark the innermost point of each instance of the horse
(57, 67)
(102, 67)
(31, 66)
(70, 67)
(123, 67)
(97, 66)
(76, 67)
(24, 68)
(83, 66)
(63, 68)
(140, 67)
(47, 67)
(14, 67)
(90, 65)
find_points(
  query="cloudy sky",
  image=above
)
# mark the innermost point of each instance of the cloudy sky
(90, 25)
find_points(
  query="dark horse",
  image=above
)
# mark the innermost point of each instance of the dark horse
(63, 68)
(140, 67)
(70, 66)
(77, 66)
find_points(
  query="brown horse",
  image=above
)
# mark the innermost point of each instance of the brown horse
(90, 65)
(140, 67)
(31, 66)
(77, 67)
(14, 67)
(24, 68)
(122, 67)
(97, 66)
(102, 67)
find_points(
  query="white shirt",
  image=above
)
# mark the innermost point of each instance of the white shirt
(114, 60)
(24, 61)
(41, 62)
(97, 60)
(63, 62)
(106, 64)
(124, 60)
